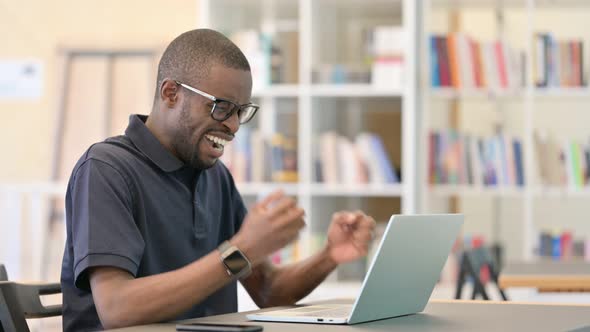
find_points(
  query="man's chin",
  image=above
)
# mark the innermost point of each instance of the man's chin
(203, 164)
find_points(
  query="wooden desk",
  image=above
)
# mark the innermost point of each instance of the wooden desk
(456, 316)
(547, 276)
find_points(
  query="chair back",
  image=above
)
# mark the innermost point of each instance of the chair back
(3, 274)
(19, 302)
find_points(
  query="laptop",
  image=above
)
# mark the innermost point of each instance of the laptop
(400, 279)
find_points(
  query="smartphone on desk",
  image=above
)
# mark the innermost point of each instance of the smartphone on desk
(206, 327)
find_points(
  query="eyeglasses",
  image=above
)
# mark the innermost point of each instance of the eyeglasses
(223, 109)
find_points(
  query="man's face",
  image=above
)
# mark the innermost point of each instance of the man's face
(199, 139)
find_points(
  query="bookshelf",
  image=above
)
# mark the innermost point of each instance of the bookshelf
(331, 67)
(466, 190)
(353, 90)
(282, 90)
(513, 215)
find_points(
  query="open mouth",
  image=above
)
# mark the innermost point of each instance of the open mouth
(218, 143)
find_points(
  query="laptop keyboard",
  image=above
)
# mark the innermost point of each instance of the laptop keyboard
(336, 312)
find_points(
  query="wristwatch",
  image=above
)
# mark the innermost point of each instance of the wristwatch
(236, 263)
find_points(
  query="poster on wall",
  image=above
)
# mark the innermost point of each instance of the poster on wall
(21, 79)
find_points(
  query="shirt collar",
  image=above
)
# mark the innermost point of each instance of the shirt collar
(149, 145)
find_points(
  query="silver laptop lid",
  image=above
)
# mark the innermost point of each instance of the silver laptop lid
(409, 259)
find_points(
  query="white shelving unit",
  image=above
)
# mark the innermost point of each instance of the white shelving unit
(453, 190)
(521, 109)
(283, 90)
(353, 90)
(321, 25)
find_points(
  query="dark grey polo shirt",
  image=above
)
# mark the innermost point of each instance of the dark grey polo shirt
(128, 205)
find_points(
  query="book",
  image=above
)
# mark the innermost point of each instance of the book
(254, 157)
(241, 155)
(558, 62)
(540, 61)
(518, 162)
(562, 245)
(443, 62)
(454, 65)
(463, 159)
(434, 62)
(283, 159)
(259, 156)
(361, 160)
(459, 61)
(329, 158)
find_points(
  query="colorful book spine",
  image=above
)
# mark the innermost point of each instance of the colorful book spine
(463, 159)
(362, 160)
(558, 63)
(434, 64)
(556, 245)
(458, 61)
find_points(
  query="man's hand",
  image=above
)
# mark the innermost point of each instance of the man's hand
(270, 225)
(349, 236)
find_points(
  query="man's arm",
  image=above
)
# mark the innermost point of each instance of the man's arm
(269, 285)
(349, 235)
(122, 300)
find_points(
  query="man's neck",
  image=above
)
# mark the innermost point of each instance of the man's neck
(154, 125)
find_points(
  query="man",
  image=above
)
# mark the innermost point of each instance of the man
(156, 229)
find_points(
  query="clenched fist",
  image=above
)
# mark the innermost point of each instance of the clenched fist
(270, 225)
(349, 236)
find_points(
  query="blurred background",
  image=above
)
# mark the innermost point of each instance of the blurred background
(390, 106)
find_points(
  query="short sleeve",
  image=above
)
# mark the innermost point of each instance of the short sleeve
(104, 232)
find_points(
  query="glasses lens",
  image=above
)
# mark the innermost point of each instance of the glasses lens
(223, 110)
(247, 113)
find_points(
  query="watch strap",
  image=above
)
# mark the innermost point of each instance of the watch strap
(224, 246)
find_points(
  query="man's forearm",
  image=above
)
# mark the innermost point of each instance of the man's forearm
(288, 284)
(125, 302)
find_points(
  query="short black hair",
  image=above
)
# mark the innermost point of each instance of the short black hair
(190, 56)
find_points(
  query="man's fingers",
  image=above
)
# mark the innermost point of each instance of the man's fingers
(362, 239)
(362, 235)
(289, 227)
(270, 199)
(345, 218)
(368, 223)
(369, 220)
(291, 218)
(280, 207)
(362, 248)
(283, 215)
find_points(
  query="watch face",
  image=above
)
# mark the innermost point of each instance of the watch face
(235, 262)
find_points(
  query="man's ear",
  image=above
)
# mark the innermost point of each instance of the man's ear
(169, 93)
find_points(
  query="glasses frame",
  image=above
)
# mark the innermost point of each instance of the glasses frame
(215, 100)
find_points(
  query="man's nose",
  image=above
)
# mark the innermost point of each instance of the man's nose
(233, 123)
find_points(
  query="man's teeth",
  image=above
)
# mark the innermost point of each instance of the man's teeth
(217, 140)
